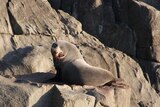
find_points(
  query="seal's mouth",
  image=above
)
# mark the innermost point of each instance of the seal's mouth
(57, 52)
(59, 55)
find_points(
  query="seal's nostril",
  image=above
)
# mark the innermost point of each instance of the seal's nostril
(54, 45)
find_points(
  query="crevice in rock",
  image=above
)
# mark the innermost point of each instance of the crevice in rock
(116, 7)
(16, 28)
(5, 34)
(117, 69)
(150, 70)
(141, 104)
(13, 42)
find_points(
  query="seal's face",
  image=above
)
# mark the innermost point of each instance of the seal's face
(57, 52)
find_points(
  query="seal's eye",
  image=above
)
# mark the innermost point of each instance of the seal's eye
(54, 45)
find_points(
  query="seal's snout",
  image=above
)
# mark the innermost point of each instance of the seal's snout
(56, 51)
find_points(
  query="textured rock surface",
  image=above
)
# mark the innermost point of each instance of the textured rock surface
(152, 73)
(33, 17)
(98, 19)
(22, 95)
(145, 21)
(25, 54)
(4, 19)
(30, 26)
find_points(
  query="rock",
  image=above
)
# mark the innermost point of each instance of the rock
(125, 68)
(72, 26)
(154, 3)
(56, 4)
(109, 20)
(98, 97)
(4, 19)
(120, 8)
(34, 78)
(35, 17)
(6, 44)
(120, 37)
(72, 98)
(86, 11)
(116, 33)
(67, 6)
(55, 95)
(29, 54)
(145, 21)
(151, 71)
(32, 40)
(100, 19)
(21, 95)
(119, 64)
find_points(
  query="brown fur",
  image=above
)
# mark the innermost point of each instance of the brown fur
(74, 69)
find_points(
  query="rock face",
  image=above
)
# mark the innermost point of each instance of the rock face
(59, 96)
(5, 21)
(129, 28)
(149, 27)
(154, 3)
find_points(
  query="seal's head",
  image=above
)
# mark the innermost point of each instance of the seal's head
(64, 51)
(56, 51)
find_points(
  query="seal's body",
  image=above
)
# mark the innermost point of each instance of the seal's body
(73, 69)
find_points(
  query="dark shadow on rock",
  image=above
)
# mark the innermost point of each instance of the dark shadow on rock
(39, 77)
(65, 5)
(4, 66)
(141, 104)
(106, 24)
(52, 98)
(150, 70)
(14, 58)
(154, 3)
(16, 28)
(56, 4)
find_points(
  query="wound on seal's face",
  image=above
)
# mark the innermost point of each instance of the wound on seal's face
(60, 55)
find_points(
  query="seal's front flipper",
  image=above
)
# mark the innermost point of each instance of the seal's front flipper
(29, 82)
(120, 83)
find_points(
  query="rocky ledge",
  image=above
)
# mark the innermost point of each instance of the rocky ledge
(121, 36)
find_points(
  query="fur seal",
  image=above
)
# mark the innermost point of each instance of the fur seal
(73, 69)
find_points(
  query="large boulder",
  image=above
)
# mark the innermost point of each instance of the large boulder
(106, 21)
(33, 17)
(152, 73)
(5, 19)
(25, 54)
(144, 20)
(22, 95)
